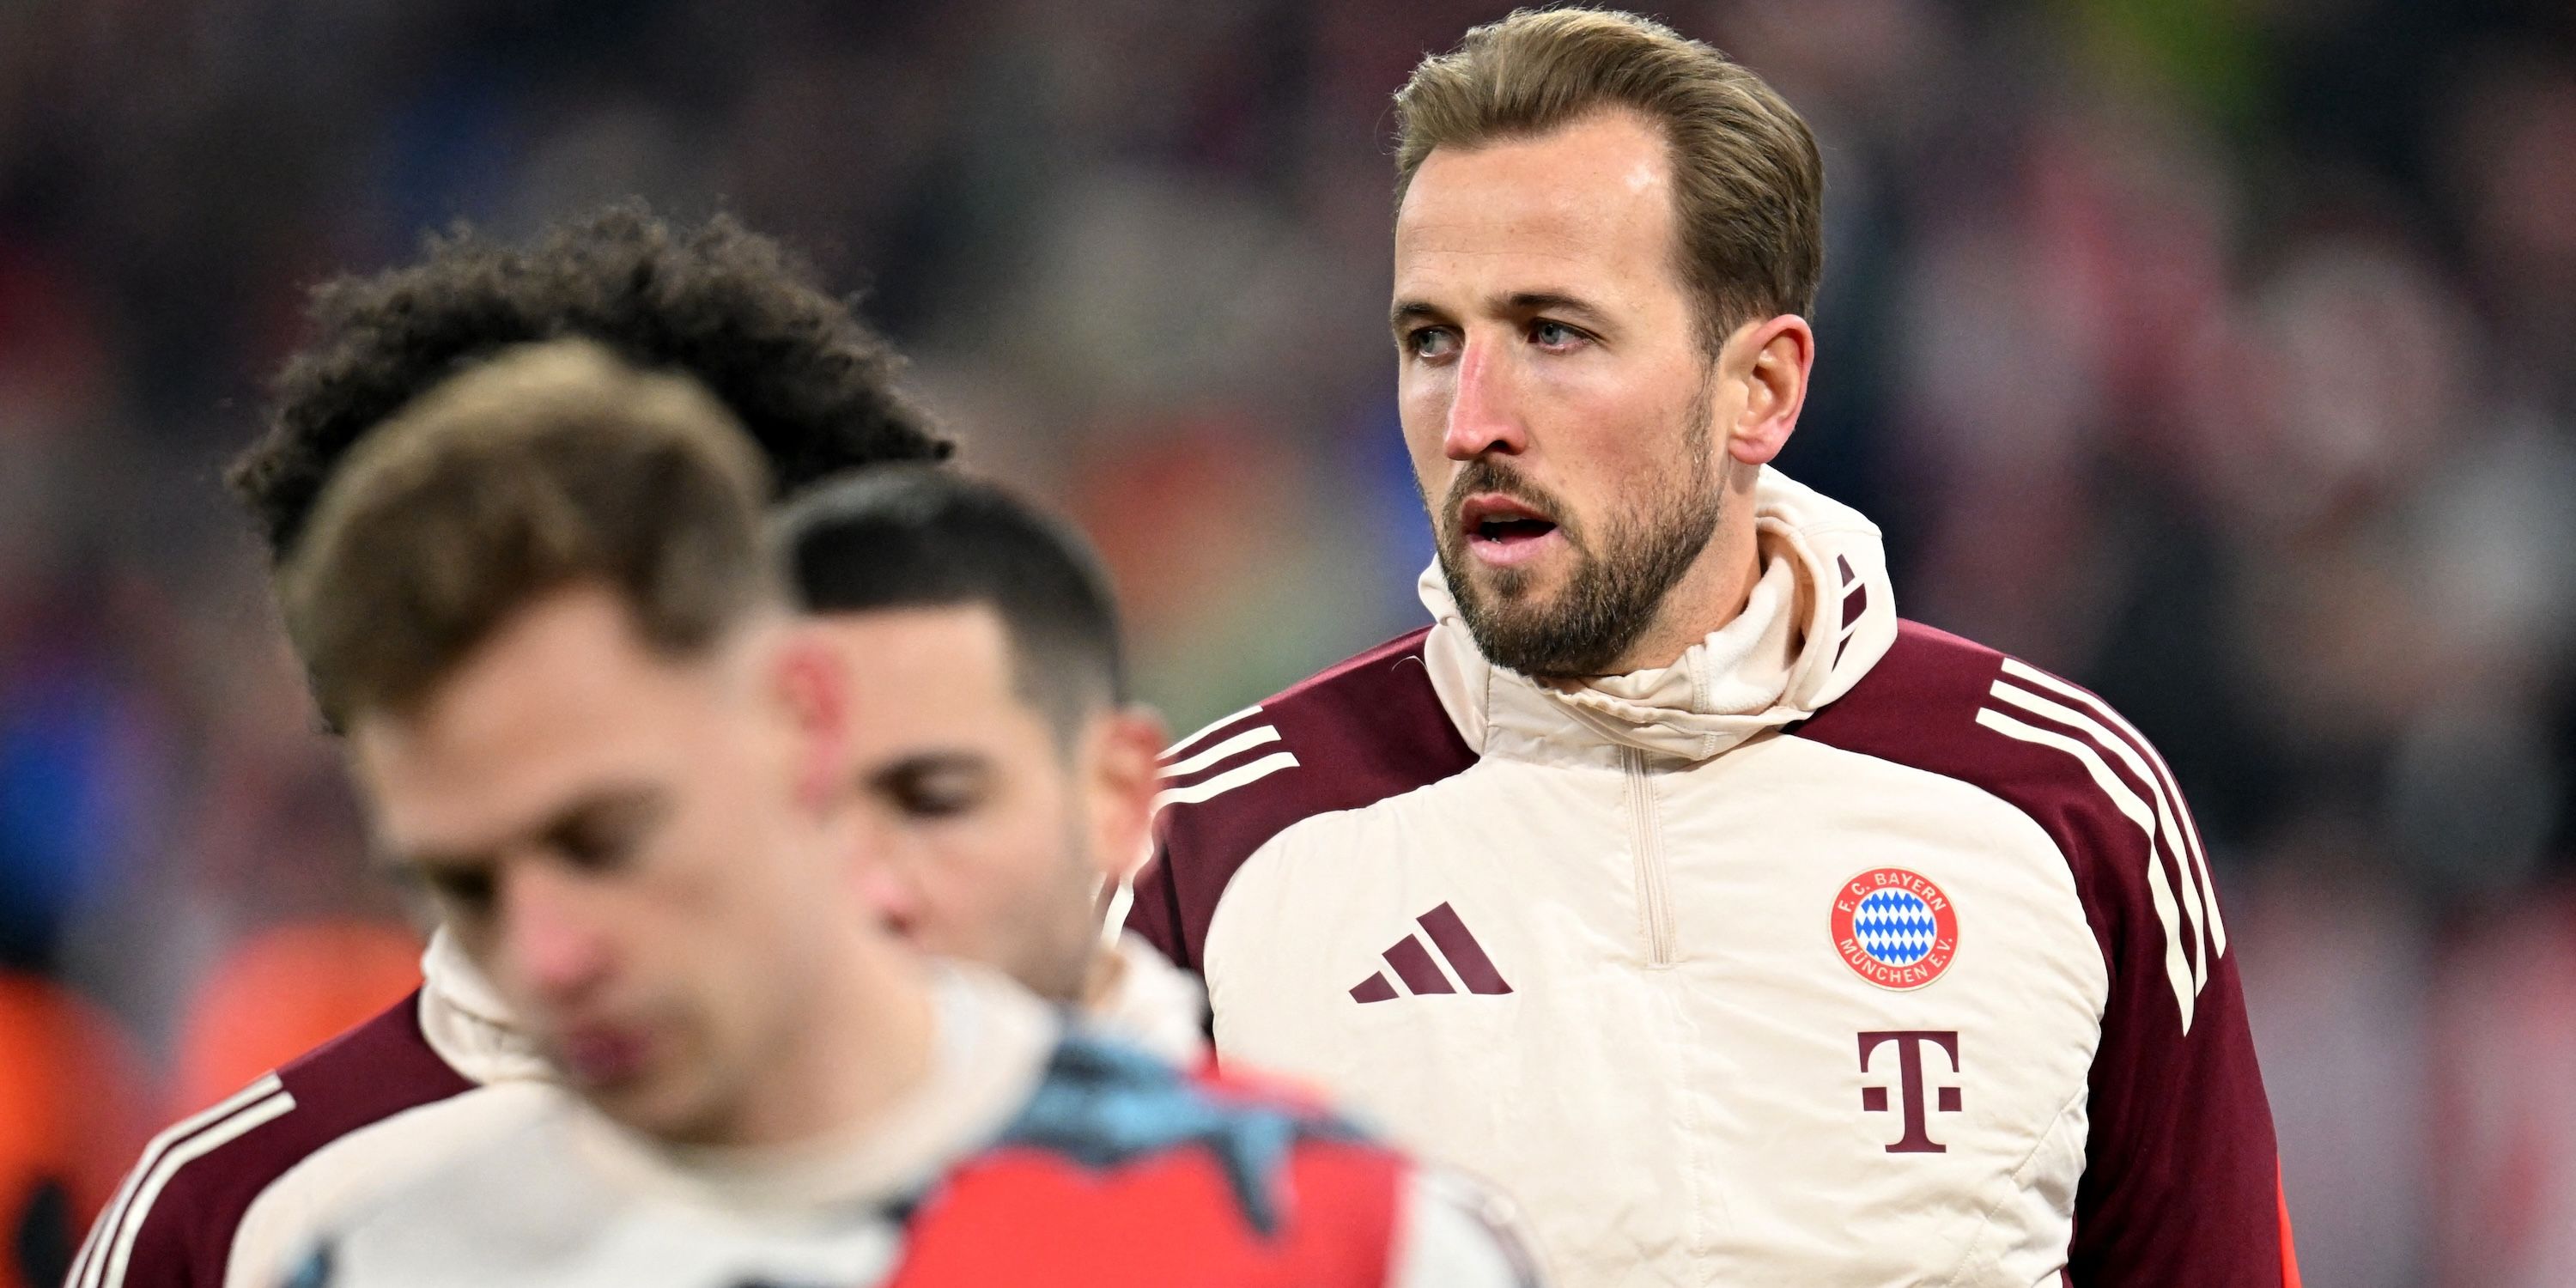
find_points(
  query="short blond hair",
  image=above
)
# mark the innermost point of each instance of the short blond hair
(1748, 181)
(552, 465)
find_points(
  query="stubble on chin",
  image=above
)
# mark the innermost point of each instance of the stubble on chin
(1502, 586)
(1618, 568)
(1602, 602)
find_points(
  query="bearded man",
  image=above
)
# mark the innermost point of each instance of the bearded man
(1741, 931)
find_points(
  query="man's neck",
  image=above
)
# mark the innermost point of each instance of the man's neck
(866, 1045)
(1711, 594)
(1107, 969)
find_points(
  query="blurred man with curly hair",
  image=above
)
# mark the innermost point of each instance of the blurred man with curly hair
(221, 1195)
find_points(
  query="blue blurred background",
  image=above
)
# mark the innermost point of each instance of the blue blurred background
(2218, 353)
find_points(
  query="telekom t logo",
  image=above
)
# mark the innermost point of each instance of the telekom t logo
(1909, 1081)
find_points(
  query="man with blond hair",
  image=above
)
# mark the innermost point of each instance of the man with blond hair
(1742, 931)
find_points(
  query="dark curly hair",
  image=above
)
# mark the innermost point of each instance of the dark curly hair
(720, 303)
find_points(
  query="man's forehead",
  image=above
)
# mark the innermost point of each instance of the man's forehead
(559, 702)
(1587, 186)
(936, 680)
(420, 820)
(425, 797)
(923, 656)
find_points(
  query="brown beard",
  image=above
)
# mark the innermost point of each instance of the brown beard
(1618, 583)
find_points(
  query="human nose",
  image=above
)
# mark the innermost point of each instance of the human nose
(551, 939)
(889, 897)
(886, 884)
(1484, 412)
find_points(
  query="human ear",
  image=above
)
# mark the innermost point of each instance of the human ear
(1123, 772)
(1773, 358)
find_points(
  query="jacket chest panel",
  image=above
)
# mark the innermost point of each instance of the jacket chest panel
(1798, 1054)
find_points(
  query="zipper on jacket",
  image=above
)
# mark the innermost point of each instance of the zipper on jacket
(1646, 841)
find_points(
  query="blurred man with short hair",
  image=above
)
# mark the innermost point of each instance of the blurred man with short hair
(584, 715)
(1740, 931)
(998, 743)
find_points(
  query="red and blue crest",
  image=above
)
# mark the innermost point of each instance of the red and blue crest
(1895, 928)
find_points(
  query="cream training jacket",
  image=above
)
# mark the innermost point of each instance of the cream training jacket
(1840, 951)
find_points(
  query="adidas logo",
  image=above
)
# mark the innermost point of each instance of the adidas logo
(1420, 966)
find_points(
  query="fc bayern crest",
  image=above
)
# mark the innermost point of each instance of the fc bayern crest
(1895, 928)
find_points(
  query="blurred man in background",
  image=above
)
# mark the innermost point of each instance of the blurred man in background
(238, 1183)
(1739, 930)
(1014, 776)
(542, 605)
(242, 1181)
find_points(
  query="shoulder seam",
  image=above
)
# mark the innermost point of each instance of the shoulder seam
(1354, 733)
(1222, 745)
(1210, 727)
(103, 1260)
(2181, 911)
(1217, 785)
(2063, 757)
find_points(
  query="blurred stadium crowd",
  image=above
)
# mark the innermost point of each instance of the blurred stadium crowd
(2218, 353)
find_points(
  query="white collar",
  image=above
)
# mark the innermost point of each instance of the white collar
(467, 1023)
(991, 1044)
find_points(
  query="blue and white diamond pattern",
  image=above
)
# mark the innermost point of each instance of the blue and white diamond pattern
(1894, 926)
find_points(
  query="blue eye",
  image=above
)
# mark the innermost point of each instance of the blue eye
(1554, 335)
(1429, 342)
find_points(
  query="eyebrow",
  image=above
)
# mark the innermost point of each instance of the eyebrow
(1411, 311)
(928, 762)
(1516, 302)
(630, 799)
(1555, 302)
(418, 864)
